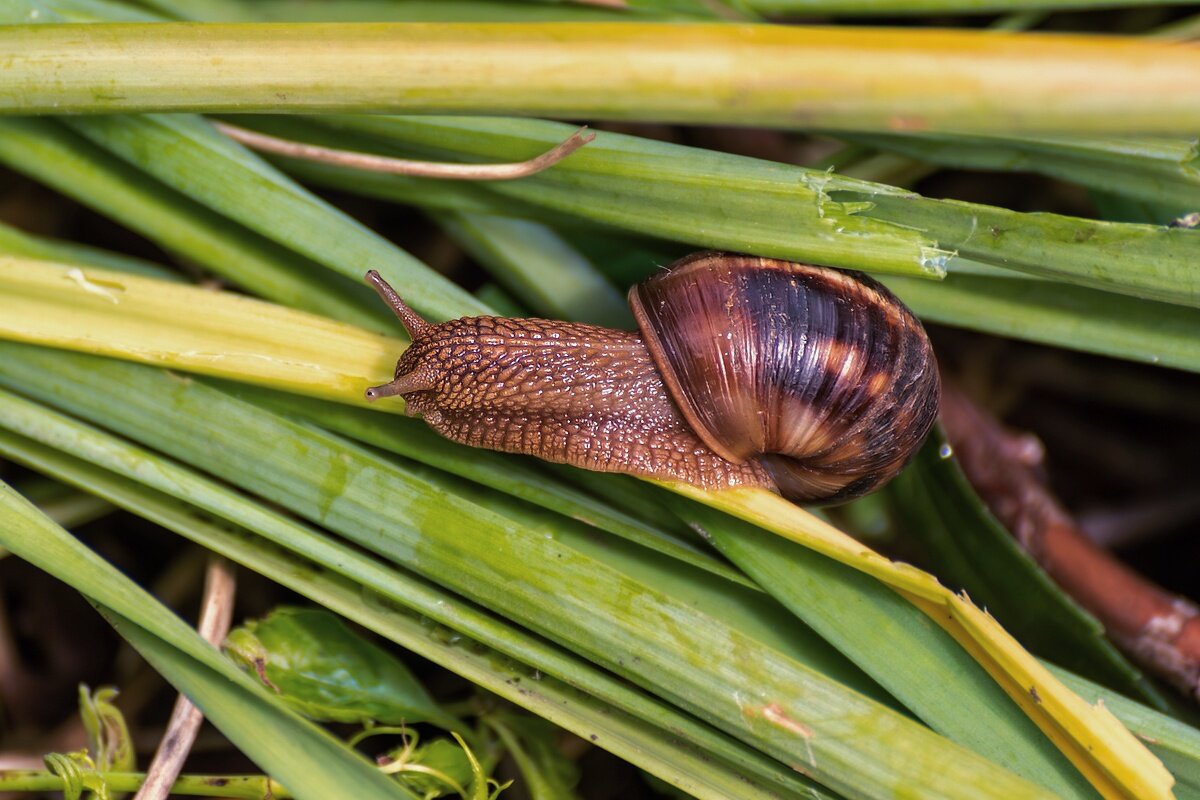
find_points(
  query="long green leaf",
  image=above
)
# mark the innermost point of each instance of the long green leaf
(188, 154)
(1093, 739)
(1147, 261)
(1164, 171)
(766, 698)
(292, 750)
(47, 152)
(1072, 317)
(513, 476)
(783, 211)
(16, 242)
(396, 588)
(671, 191)
(970, 550)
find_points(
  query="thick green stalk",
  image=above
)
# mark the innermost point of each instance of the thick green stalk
(830, 78)
(682, 193)
(239, 787)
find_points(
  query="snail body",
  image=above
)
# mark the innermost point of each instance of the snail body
(745, 371)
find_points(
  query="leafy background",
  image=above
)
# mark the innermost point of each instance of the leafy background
(729, 664)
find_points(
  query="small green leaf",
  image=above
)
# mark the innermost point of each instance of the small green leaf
(482, 787)
(108, 735)
(328, 673)
(433, 770)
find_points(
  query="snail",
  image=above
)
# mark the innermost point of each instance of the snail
(815, 383)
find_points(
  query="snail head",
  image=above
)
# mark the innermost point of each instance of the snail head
(415, 372)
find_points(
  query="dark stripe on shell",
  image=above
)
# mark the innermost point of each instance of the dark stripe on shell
(823, 370)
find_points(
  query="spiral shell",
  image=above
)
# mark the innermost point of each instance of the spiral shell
(822, 375)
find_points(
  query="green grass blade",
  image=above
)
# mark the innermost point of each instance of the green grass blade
(1177, 744)
(1072, 317)
(830, 78)
(413, 439)
(763, 696)
(550, 276)
(1165, 171)
(18, 243)
(47, 152)
(922, 666)
(672, 191)
(778, 210)
(188, 154)
(292, 750)
(1146, 261)
(395, 588)
(968, 549)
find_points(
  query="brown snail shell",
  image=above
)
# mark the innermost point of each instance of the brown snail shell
(746, 371)
(823, 375)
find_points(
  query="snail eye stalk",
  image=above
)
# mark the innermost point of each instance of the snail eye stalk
(411, 320)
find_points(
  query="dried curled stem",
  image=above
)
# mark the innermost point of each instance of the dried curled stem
(404, 166)
(216, 612)
(1159, 629)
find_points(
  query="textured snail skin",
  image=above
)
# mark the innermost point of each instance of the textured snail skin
(746, 372)
(561, 391)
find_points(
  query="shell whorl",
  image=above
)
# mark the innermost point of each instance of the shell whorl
(823, 375)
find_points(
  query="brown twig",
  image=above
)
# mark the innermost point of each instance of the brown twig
(1159, 629)
(216, 612)
(404, 166)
